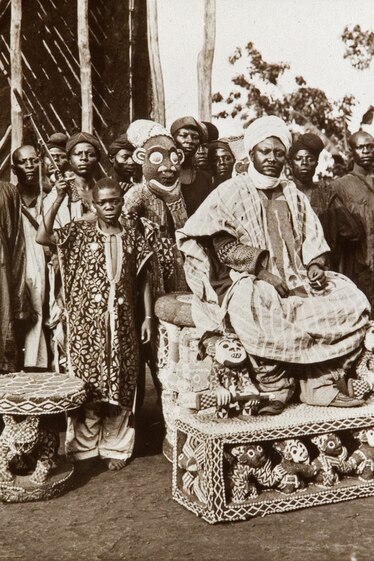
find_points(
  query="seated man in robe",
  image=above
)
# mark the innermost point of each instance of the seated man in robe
(255, 260)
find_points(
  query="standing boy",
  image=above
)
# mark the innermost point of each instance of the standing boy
(100, 260)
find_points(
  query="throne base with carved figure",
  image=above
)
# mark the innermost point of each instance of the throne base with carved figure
(179, 369)
(30, 467)
(200, 444)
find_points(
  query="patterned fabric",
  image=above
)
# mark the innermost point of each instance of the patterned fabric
(326, 324)
(240, 256)
(142, 203)
(102, 341)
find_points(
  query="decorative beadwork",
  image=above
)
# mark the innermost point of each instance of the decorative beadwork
(237, 490)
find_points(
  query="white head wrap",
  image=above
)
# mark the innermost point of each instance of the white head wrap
(142, 130)
(265, 127)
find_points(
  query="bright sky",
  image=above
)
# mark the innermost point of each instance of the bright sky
(304, 33)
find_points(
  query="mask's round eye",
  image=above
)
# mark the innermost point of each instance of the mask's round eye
(251, 453)
(331, 444)
(174, 158)
(156, 158)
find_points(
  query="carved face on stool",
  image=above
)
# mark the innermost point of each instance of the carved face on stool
(252, 455)
(230, 352)
(330, 444)
(369, 337)
(366, 436)
(293, 450)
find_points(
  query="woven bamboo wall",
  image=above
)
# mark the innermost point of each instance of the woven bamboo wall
(51, 83)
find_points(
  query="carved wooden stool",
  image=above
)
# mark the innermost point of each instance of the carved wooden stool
(30, 469)
(209, 481)
(179, 368)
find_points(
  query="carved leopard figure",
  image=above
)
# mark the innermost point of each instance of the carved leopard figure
(23, 436)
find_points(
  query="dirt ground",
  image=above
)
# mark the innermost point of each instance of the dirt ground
(131, 516)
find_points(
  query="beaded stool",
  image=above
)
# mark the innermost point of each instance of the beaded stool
(30, 469)
(202, 481)
(179, 369)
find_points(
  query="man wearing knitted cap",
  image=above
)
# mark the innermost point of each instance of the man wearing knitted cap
(337, 223)
(125, 170)
(196, 183)
(255, 261)
(356, 190)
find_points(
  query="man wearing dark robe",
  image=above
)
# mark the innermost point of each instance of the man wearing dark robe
(196, 184)
(356, 190)
(14, 302)
(338, 224)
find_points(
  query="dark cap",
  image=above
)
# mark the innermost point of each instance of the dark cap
(307, 141)
(188, 123)
(80, 137)
(120, 143)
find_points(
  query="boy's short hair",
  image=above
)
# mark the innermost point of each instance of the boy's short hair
(105, 183)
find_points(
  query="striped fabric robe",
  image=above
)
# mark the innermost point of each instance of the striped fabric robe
(325, 324)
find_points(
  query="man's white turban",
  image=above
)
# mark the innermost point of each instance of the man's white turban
(265, 127)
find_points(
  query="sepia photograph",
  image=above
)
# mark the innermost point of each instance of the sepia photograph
(186, 280)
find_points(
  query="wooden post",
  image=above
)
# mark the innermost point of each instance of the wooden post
(85, 66)
(131, 40)
(205, 62)
(15, 76)
(158, 94)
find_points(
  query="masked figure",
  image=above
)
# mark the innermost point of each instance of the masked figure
(159, 199)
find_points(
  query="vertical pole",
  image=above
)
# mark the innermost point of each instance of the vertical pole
(205, 62)
(131, 39)
(16, 76)
(158, 94)
(85, 66)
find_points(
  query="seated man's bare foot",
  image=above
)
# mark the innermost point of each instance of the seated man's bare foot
(114, 464)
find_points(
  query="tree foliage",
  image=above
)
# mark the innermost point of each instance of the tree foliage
(258, 89)
(359, 46)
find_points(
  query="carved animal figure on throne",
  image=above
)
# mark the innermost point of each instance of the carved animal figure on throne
(250, 466)
(295, 466)
(362, 459)
(365, 364)
(332, 459)
(22, 436)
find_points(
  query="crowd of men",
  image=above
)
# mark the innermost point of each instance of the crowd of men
(73, 243)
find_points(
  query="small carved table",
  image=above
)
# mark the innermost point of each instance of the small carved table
(30, 468)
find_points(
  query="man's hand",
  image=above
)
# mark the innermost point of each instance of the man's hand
(62, 187)
(279, 285)
(317, 277)
(147, 330)
(223, 396)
